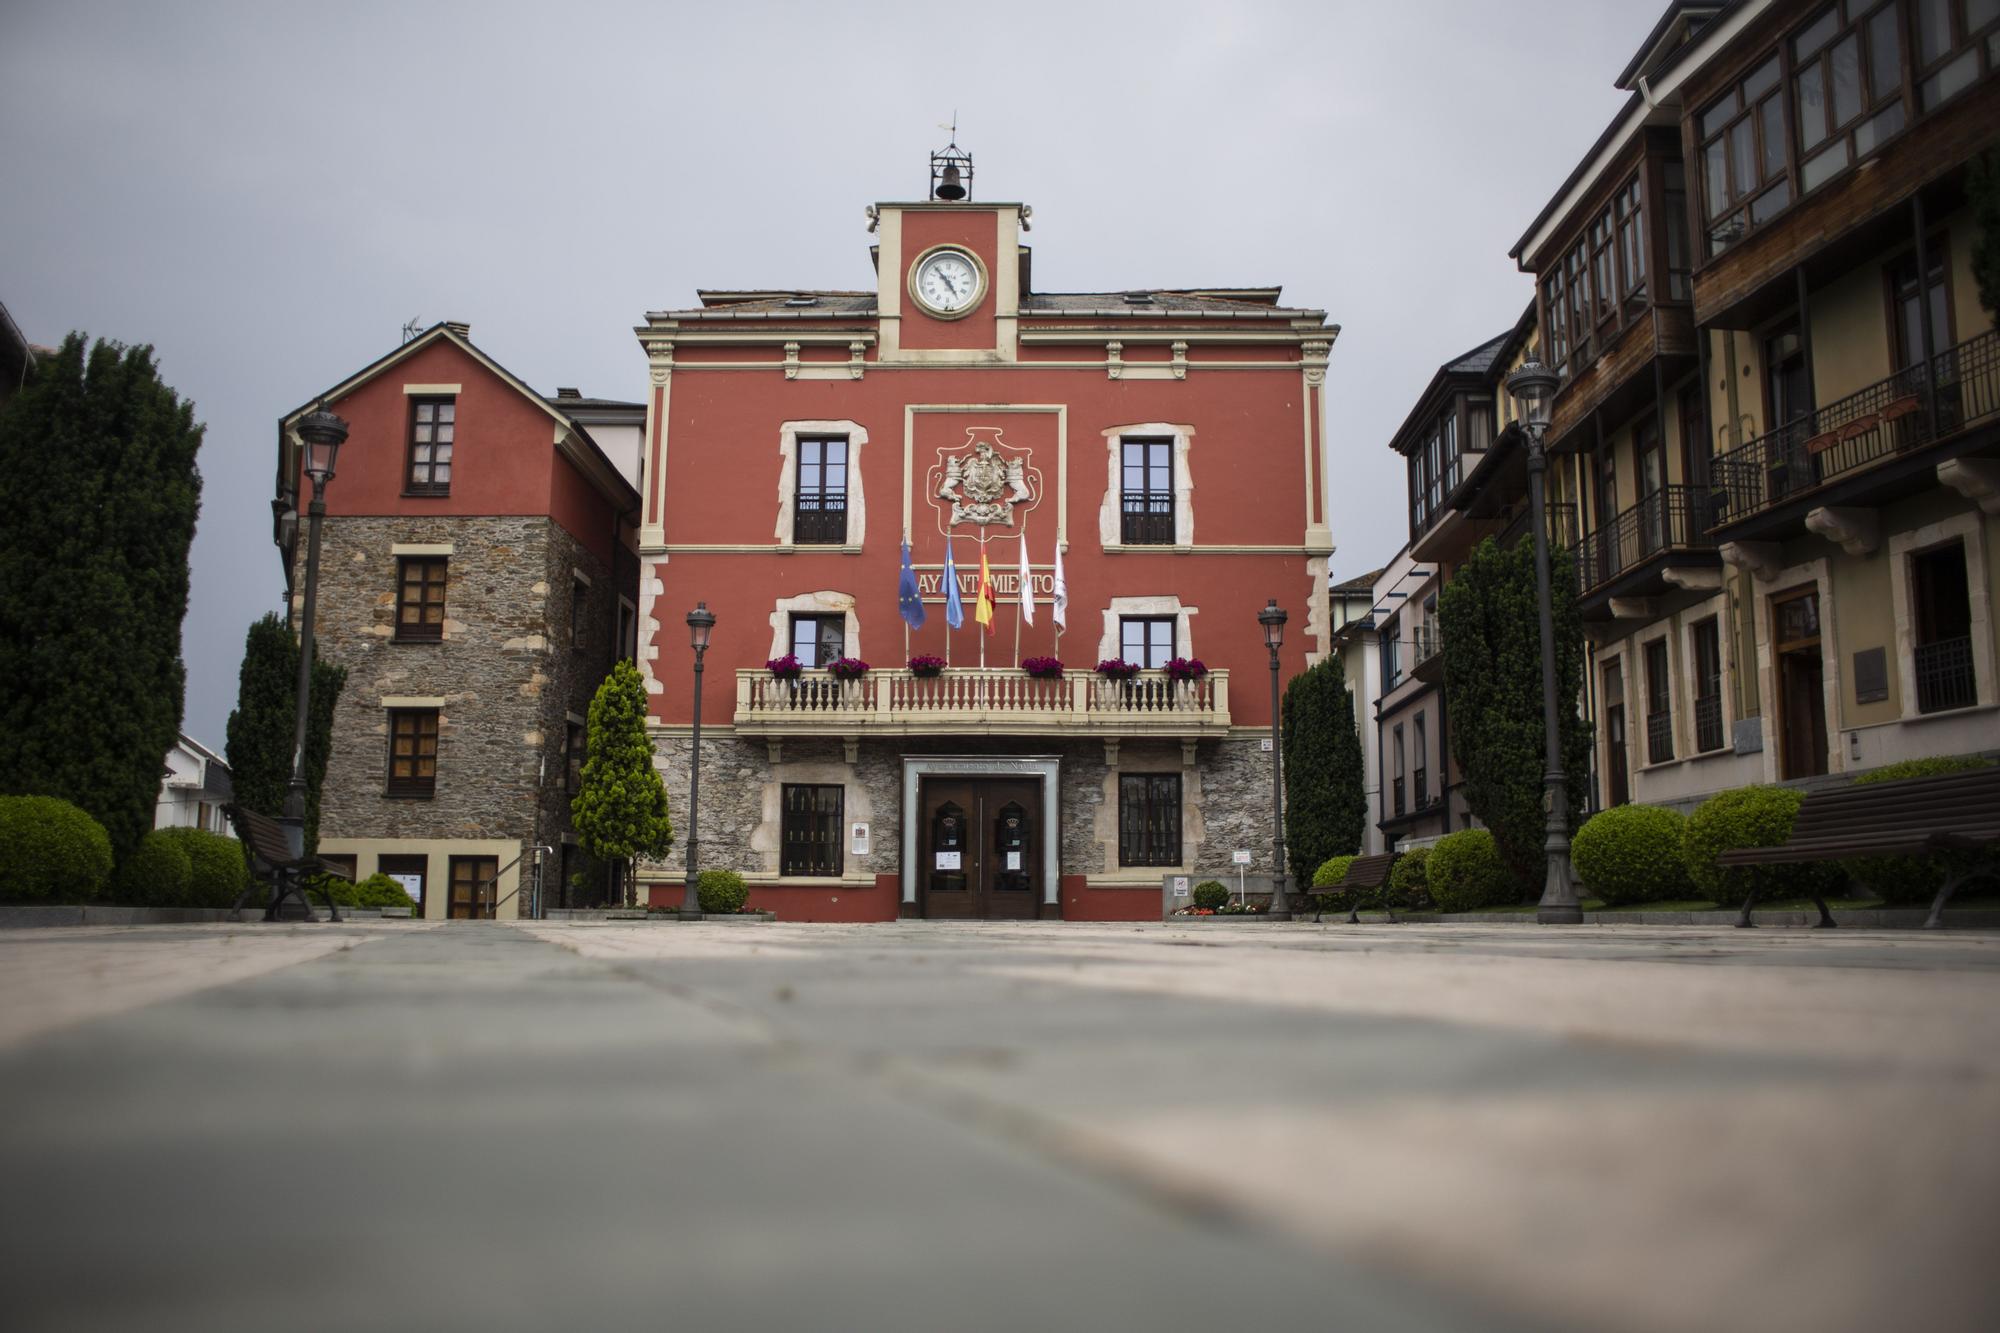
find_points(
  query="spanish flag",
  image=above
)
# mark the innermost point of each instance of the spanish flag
(982, 611)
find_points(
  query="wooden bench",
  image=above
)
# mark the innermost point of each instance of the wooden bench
(1366, 872)
(1908, 817)
(272, 862)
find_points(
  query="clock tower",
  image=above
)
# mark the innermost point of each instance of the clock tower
(949, 272)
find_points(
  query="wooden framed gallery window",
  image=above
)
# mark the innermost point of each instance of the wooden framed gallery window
(413, 747)
(420, 593)
(810, 827)
(433, 422)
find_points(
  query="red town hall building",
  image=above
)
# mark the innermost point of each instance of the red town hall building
(1156, 454)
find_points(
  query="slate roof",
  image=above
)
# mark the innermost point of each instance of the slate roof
(1480, 359)
(1223, 303)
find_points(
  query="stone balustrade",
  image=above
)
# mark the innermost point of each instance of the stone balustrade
(980, 701)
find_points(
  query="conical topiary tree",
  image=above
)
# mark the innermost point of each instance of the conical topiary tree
(1326, 804)
(621, 811)
(260, 728)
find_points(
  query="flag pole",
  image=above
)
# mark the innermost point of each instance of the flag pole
(980, 633)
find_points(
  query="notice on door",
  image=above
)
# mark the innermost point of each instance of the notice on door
(948, 860)
(412, 885)
(1013, 860)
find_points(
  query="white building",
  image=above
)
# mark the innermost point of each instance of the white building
(193, 789)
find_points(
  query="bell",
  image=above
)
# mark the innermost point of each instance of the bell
(950, 186)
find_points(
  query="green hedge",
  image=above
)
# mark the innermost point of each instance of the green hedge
(721, 892)
(1332, 872)
(50, 852)
(1211, 893)
(1632, 854)
(219, 872)
(1408, 887)
(1748, 817)
(1465, 872)
(378, 890)
(1913, 879)
(156, 874)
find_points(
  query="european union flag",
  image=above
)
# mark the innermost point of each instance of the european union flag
(908, 601)
(954, 610)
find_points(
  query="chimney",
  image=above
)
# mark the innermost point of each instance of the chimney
(568, 393)
(459, 327)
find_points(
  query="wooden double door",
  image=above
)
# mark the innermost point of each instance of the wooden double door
(980, 848)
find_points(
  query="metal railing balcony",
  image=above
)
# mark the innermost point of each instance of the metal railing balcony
(1147, 518)
(979, 701)
(1659, 737)
(820, 520)
(1910, 409)
(1707, 723)
(1673, 518)
(1944, 675)
(1562, 526)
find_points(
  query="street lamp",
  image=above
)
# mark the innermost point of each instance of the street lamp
(1534, 389)
(322, 433)
(701, 623)
(1273, 621)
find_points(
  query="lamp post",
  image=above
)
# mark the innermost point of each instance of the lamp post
(322, 434)
(701, 623)
(1273, 621)
(1533, 387)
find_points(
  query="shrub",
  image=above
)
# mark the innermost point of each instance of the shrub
(1913, 879)
(1632, 854)
(1211, 893)
(1329, 882)
(220, 873)
(50, 851)
(1465, 872)
(156, 874)
(1747, 817)
(1407, 886)
(721, 892)
(378, 890)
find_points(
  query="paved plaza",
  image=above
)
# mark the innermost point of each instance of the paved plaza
(998, 1127)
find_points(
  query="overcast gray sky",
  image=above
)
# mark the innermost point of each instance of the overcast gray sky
(266, 192)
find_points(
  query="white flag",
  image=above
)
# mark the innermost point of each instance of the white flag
(1060, 601)
(1027, 585)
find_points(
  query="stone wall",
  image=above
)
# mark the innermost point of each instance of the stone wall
(504, 668)
(1226, 798)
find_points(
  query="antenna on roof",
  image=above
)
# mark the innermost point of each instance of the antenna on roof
(411, 329)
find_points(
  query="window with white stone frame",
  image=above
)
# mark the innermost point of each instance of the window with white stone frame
(1149, 488)
(821, 501)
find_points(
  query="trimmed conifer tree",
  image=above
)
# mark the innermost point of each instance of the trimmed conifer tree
(1326, 803)
(1983, 189)
(1492, 647)
(621, 810)
(98, 483)
(259, 734)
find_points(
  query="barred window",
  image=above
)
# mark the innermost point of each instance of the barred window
(1147, 501)
(809, 830)
(1149, 819)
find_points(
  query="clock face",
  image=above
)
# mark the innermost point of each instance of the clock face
(948, 281)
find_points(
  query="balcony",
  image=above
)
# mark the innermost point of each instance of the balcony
(1617, 382)
(1426, 655)
(1861, 448)
(1632, 556)
(1944, 675)
(980, 701)
(1146, 518)
(1562, 526)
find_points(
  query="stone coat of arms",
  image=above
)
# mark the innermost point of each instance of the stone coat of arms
(981, 486)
